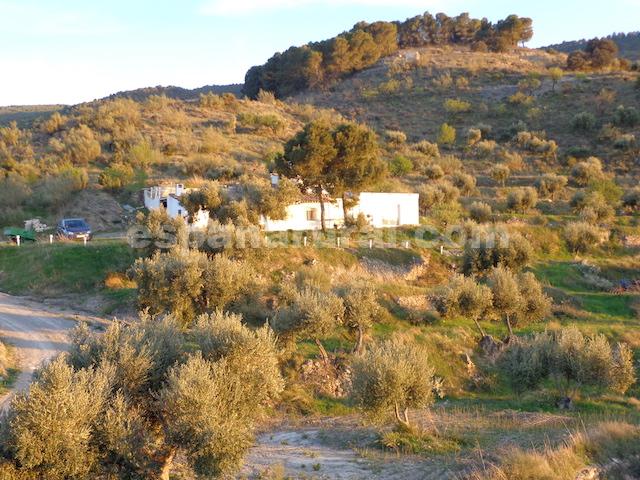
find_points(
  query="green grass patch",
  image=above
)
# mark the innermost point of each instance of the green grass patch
(410, 441)
(7, 381)
(61, 268)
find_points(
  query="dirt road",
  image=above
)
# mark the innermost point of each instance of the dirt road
(36, 335)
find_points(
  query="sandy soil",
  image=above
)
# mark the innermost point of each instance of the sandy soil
(36, 334)
(323, 454)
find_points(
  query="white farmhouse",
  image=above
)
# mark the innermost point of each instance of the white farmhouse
(169, 198)
(381, 209)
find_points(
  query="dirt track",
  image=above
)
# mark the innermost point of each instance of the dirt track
(36, 335)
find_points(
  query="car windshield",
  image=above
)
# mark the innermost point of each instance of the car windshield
(75, 224)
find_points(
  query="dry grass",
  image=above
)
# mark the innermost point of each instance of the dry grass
(118, 281)
(4, 360)
(601, 445)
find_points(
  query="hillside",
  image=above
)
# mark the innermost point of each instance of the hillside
(418, 90)
(497, 339)
(178, 93)
(628, 43)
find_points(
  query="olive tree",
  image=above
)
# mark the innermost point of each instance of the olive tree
(571, 359)
(550, 184)
(125, 403)
(592, 206)
(485, 249)
(187, 283)
(480, 212)
(500, 173)
(394, 376)
(159, 232)
(309, 314)
(587, 171)
(463, 297)
(522, 199)
(360, 310)
(49, 428)
(581, 236)
(517, 299)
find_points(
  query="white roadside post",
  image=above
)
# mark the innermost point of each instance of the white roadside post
(18, 240)
(338, 241)
(50, 239)
(304, 240)
(84, 239)
(370, 243)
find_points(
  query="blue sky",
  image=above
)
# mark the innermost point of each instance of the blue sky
(69, 51)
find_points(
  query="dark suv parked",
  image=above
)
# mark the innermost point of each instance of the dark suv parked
(74, 229)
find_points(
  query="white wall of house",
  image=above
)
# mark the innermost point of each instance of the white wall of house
(388, 209)
(306, 216)
(381, 209)
(157, 197)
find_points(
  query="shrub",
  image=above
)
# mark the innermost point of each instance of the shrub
(626, 116)
(81, 146)
(55, 190)
(395, 137)
(592, 206)
(522, 199)
(393, 377)
(521, 98)
(571, 358)
(433, 172)
(116, 176)
(480, 212)
(160, 232)
(447, 135)
(550, 184)
(143, 155)
(624, 142)
(485, 148)
(500, 173)
(455, 106)
(474, 135)
(270, 122)
(213, 141)
(584, 121)
(439, 193)
(427, 148)
(631, 199)
(54, 123)
(400, 165)
(464, 182)
(581, 236)
(535, 142)
(587, 171)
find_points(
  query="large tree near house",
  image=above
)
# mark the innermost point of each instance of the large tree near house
(308, 156)
(357, 164)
